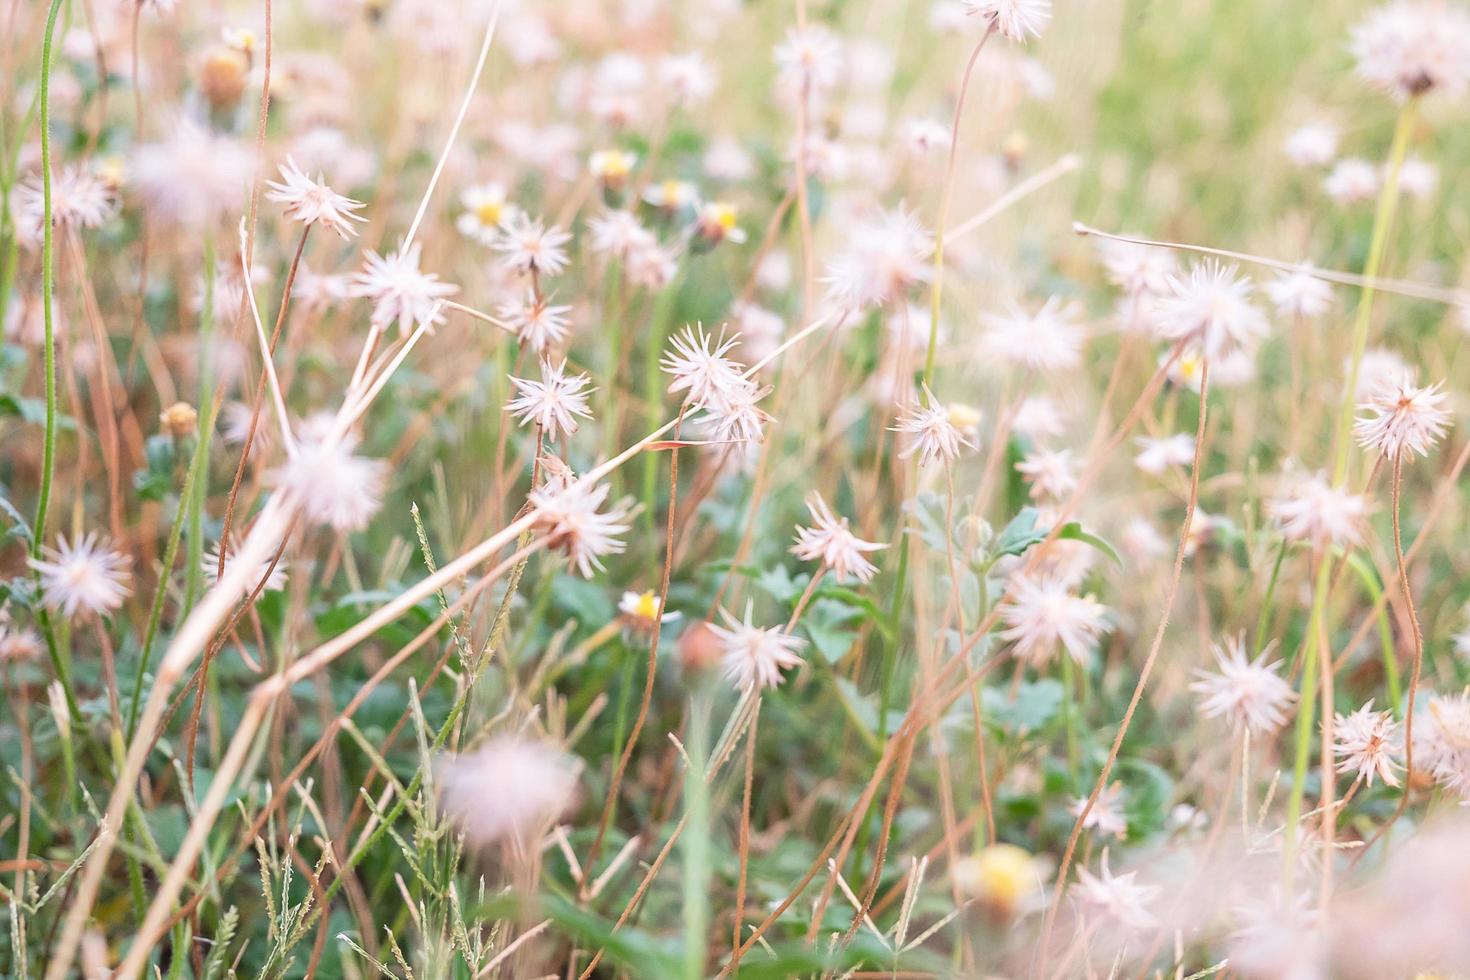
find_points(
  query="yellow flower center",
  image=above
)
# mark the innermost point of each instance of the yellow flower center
(724, 215)
(489, 212)
(646, 607)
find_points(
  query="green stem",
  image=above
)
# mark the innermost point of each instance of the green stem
(663, 309)
(1264, 617)
(194, 570)
(697, 840)
(48, 285)
(1382, 221)
(170, 553)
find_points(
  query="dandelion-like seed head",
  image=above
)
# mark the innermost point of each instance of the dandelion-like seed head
(84, 575)
(754, 657)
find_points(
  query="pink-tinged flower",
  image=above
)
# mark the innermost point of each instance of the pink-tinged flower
(271, 573)
(312, 201)
(696, 360)
(1116, 899)
(1017, 20)
(809, 58)
(1300, 294)
(1048, 340)
(888, 254)
(554, 402)
(1106, 818)
(1352, 181)
(617, 233)
(537, 324)
(508, 791)
(1312, 510)
(79, 200)
(569, 514)
(334, 486)
(82, 576)
(1442, 741)
(1411, 47)
(832, 543)
(194, 176)
(932, 434)
(1312, 144)
(18, 644)
(1157, 455)
(400, 292)
(754, 657)
(1138, 270)
(1249, 693)
(528, 246)
(1042, 614)
(1210, 308)
(1366, 743)
(1050, 474)
(1402, 417)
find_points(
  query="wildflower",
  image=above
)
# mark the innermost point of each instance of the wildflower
(1418, 178)
(528, 246)
(311, 201)
(334, 486)
(754, 658)
(934, 435)
(641, 611)
(1041, 614)
(1138, 270)
(687, 77)
(485, 207)
(1312, 145)
(612, 167)
(889, 254)
(1003, 878)
(651, 266)
(1049, 473)
(1118, 898)
(509, 790)
(1247, 692)
(1048, 340)
(1300, 294)
(318, 291)
(179, 420)
(1210, 307)
(269, 575)
(809, 58)
(698, 364)
(833, 544)
(17, 643)
(1379, 370)
(1038, 418)
(537, 324)
(1106, 817)
(85, 575)
(715, 223)
(671, 195)
(568, 514)
(79, 201)
(1279, 937)
(1364, 742)
(1013, 19)
(617, 233)
(1402, 417)
(1311, 509)
(1352, 181)
(737, 417)
(194, 176)
(400, 292)
(1157, 455)
(1410, 47)
(1442, 741)
(554, 402)
(924, 136)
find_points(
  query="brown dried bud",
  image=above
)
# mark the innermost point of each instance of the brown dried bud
(700, 649)
(179, 419)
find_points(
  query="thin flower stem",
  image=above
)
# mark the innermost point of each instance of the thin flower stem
(1145, 672)
(48, 289)
(936, 292)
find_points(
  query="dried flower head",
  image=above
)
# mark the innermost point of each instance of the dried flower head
(554, 402)
(508, 791)
(1210, 308)
(1366, 744)
(312, 201)
(1017, 20)
(82, 576)
(528, 246)
(1119, 900)
(1312, 510)
(1402, 417)
(832, 543)
(933, 435)
(1249, 693)
(1041, 614)
(568, 513)
(335, 487)
(400, 292)
(755, 657)
(1411, 47)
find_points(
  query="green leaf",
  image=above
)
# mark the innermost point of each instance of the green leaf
(825, 621)
(1034, 707)
(1020, 534)
(1072, 531)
